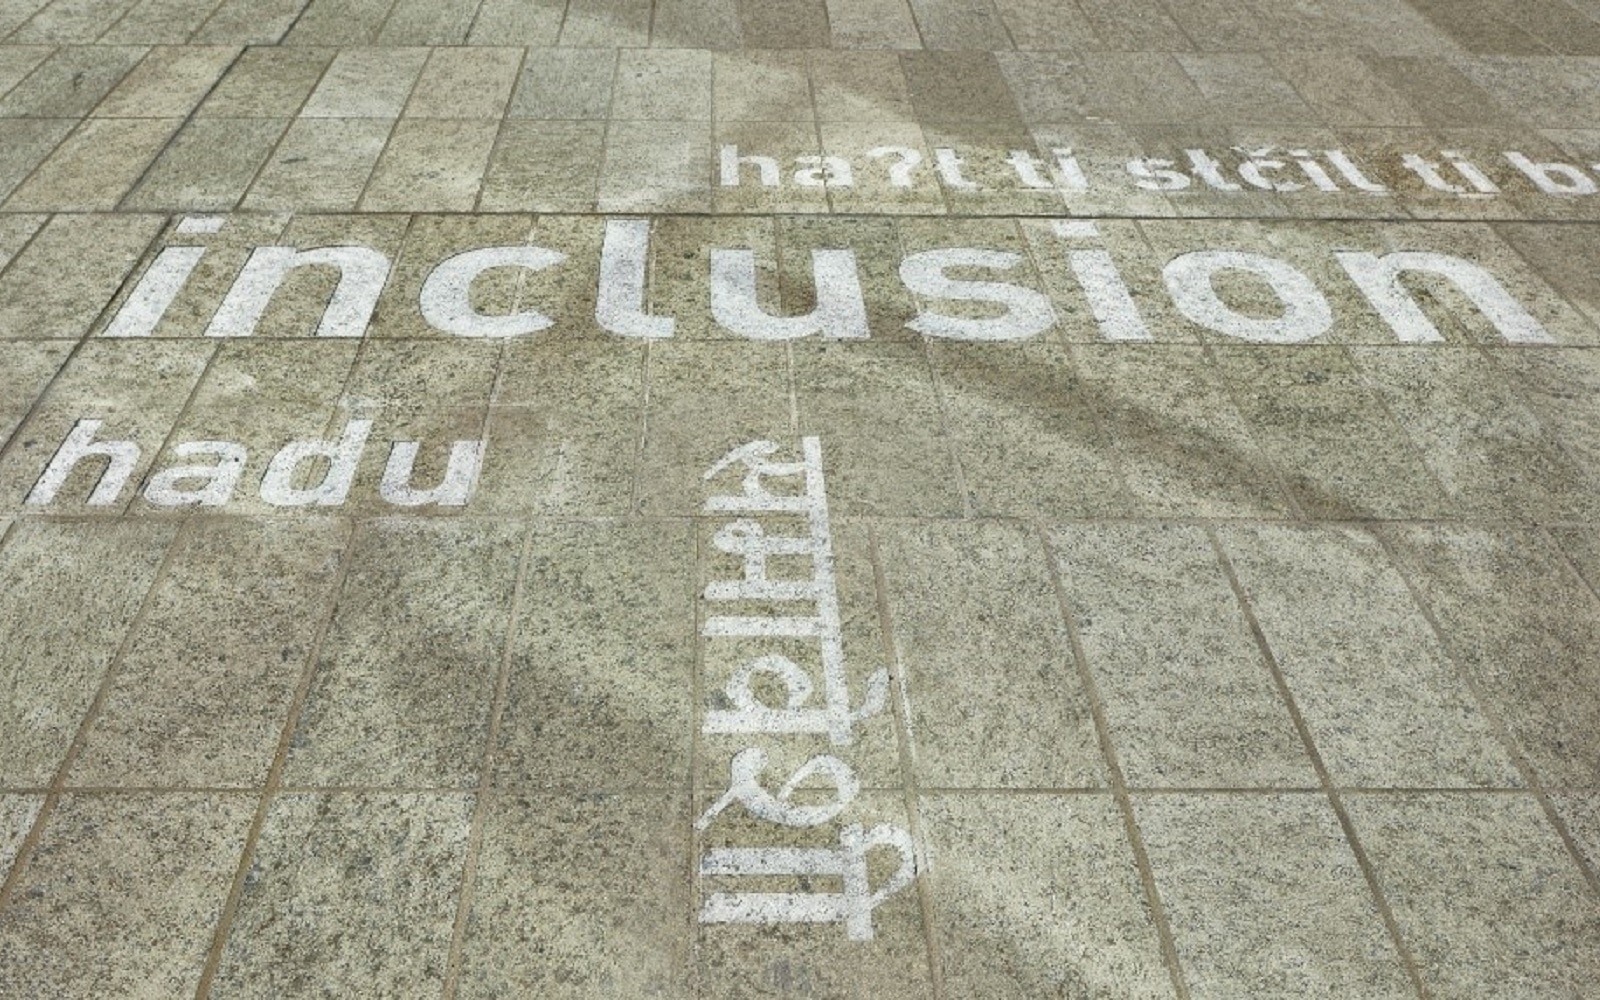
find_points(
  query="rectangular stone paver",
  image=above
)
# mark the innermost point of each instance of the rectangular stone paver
(799, 498)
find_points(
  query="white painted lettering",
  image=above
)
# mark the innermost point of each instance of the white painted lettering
(341, 454)
(1189, 280)
(446, 298)
(620, 305)
(460, 476)
(80, 444)
(1027, 314)
(840, 313)
(1379, 280)
(154, 293)
(362, 273)
(1554, 178)
(218, 479)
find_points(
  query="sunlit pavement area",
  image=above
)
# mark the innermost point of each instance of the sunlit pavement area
(800, 498)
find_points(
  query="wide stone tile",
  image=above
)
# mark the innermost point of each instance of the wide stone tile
(72, 21)
(1188, 699)
(544, 166)
(366, 83)
(135, 391)
(656, 166)
(1266, 898)
(1038, 895)
(705, 399)
(406, 676)
(465, 83)
(738, 960)
(208, 165)
(187, 709)
(1486, 897)
(122, 895)
(877, 413)
(660, 85)
(564, 435)
(95, 167)
(517, 22)
(1181, 444)
(1580, 811)
(431, 165)
(168, 83)
(24, 144)
(802, 24)
(267, 82)
(565, 83)
(1384, 704)
(71, 82)
(576, 895)
(1000, 707)
(590, 707)
(348, 892)
(250, 22)
(1522, 623)
(873, 24)
(57, 662)
(319, 164)
(153, 22)
(1339, 454)
(428, 22)
(607, 23)
(339, 22)
(1479, 436)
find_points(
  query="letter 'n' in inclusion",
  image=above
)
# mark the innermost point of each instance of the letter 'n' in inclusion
(852, 907)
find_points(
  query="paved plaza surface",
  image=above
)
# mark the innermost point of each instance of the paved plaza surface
(800, 498)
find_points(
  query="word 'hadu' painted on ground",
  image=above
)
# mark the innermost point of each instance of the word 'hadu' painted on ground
(1375, 288)
(1239, 169)
(307, 473)
(814, 700)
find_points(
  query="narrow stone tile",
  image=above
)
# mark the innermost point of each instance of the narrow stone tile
(29, 367)
(979, 700)
(70, 22)
(1342, 90)
(706, 24)
(798, 24)
(403, 687)
(431, 165)
(1479, 436)
(1182, 445)
(56, 287)
(101, 573)
(1519, 620)
(17, 61)
(414, 376)
(1484, 894)
(1557, 256)
(136, 390)
(465, 83)
(1219, 26)
(517, 22)
(1134, 26)
(790, 145)
(1340, 456)
(209, 164)
(1188, 700)
(366, 83)
(348, 893)
(1581, 546)
(544, 166)
(320, 164)
(168, 83)
(590, 708)
(157, 22)
(607, 24)
(122, 895)
(94, 168)
(873, 24)
(431, 239)
(1442, 94)
(563, 441)
(15, 232)
(17, 813)
(339, 22)
(267, 82)
(1026, 437)
(660, 85)
(1266, 898)
(249, 22)
(1384, 705)
(1580, 811)
(961, 24)
(751, 960)
(580, 894)
(185, 709)
(1244, 89)
(428, 22)
(565, 84)
(656, 167)
(1045, 25)
(705, 399)
(71, 82)
(16, 13)
(1038, 895)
